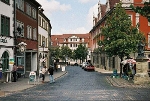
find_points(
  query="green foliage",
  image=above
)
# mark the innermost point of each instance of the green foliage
(55, 52)
(66, 52)
(81, 52)
(120, 38)
(144, 10)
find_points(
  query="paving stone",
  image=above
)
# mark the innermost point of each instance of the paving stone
(78, 84)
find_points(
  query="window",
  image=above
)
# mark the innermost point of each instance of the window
(34, 34)
(148, 23)
(28, 9)
(47, 26)
(43, 23)
(149, 40)
(83, 40)
(130, 17)
(20, 60)
(39, 39)
(64, 40)
(5, 25)
(46, 42)
(39, 21)
(5, 1)
(34, 13)
(29, 32)
(20, 4)
(43, 40)
(21, 26)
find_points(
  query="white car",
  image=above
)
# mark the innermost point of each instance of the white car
(84, 64)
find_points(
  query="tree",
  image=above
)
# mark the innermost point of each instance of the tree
(120, 38)
(55, 53)
(66, 52)
(81, 52)
(144, 10)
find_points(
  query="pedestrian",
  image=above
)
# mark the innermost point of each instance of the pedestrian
(133, 71)
(43, 73)
(55, 66)
(14, 72)
(51, 72)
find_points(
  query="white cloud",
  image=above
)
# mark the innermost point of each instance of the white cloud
(80, 30)
(84, 1)
(50, 6)
(92, 11)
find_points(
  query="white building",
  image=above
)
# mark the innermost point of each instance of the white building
(6, 34)
(72, 41)
(44, 30)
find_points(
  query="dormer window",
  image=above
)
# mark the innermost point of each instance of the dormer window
(83, 40)
(64, 40)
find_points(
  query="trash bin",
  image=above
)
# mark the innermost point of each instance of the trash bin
(63, 68)
(0, 73)
(115, 74)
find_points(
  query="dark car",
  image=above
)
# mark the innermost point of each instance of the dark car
(76, 64)
(89, 67)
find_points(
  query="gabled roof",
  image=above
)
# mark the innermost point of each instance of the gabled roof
(113, 2)
(103, 9)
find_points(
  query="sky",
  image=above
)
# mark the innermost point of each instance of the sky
(70, 16)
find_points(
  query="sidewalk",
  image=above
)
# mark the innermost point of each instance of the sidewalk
(22, 83)
(120, 82)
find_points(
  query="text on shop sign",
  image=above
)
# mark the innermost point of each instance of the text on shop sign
(3, 40)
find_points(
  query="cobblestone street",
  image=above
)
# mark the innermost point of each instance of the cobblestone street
(78, 84)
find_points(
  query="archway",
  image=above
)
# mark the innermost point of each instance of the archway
(5, 61)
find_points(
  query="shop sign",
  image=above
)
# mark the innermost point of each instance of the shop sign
(3, 40)
(11, 61)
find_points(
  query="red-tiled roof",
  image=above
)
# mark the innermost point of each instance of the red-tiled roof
(113, 2)
(59, 39)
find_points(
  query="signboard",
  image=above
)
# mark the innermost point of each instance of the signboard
(11, 61)
(3, 40)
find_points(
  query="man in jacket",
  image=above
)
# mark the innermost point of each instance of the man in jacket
(50, 72)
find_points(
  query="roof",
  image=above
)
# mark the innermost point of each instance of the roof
(60, 39)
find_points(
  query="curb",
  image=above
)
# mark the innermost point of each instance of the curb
(124, 84)
(5, 93)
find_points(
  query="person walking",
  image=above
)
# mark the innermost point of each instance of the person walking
(43, 73)
(51, 72)
(14, 72)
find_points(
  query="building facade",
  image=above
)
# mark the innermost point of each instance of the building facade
(100, 59)
(26, 31)
(6, 35)
(72, 41)
(44, 36)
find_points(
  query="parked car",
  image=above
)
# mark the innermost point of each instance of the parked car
(76, 64)
(89, 67)
(84, 64)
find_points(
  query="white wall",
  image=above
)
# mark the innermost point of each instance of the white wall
(7, 10)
